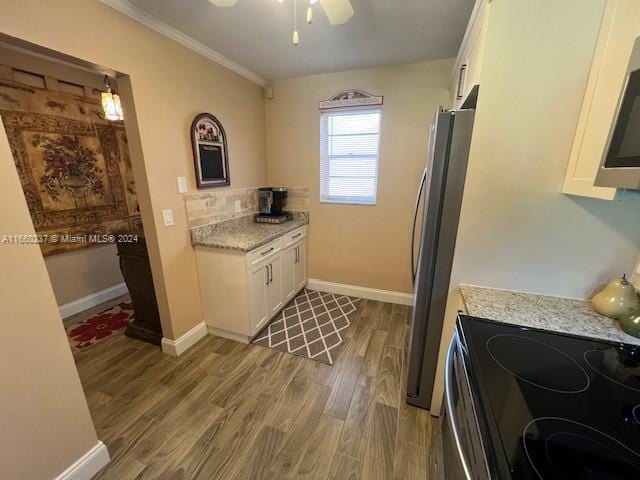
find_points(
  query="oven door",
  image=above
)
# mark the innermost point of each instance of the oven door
(621, 164)
(464, 457)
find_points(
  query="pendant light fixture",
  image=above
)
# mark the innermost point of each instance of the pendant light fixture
(111, 103)
(309, 14)
(296, 36)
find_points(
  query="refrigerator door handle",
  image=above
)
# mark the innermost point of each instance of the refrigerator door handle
(413, 228)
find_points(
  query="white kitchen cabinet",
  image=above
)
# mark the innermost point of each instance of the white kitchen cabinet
(468, 67)
(242, 291)
(257, 297)
(294, 269)
(288, 280)
(300, 266)
(618, 31)
(274, 297)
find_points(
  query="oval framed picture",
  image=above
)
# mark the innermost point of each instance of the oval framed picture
(210, 157)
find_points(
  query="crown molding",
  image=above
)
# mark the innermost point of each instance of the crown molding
(131, 10)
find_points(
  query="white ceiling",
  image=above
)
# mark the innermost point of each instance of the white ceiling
(256, 34)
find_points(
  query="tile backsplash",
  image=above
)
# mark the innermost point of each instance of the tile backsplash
(219, 205)
(298, 199)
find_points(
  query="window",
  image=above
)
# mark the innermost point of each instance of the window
(349, 145)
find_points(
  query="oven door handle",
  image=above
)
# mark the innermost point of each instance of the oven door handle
(448, 387)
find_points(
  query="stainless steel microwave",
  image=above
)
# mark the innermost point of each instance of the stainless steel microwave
(620, 165)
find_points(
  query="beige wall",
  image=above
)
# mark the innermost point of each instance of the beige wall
(44, 416)
(354, 244)
(170, 85)
(517, 230)
(79, 273)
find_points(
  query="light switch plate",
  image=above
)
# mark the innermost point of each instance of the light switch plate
(238, 206)
(182, 184)
(167, 217)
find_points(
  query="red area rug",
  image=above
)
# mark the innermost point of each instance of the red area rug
(100, 326)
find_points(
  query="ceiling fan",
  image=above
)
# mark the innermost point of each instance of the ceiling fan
(337, 11)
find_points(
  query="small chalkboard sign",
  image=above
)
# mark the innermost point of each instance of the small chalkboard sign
(210, 158)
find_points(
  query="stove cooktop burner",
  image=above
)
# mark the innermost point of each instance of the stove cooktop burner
(566, 449)
(615, 366)
(538, 364)
(636, 414)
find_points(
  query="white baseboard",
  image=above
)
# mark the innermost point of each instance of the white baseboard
(236, 337)
(362, 292)
(88, 465)
(186, 341)
(92, 300)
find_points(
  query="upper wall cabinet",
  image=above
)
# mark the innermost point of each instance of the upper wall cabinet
(618, 32)
(468, 67)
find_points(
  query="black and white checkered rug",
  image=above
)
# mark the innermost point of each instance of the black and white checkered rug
(312, 325)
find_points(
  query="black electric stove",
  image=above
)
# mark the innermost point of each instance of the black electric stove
(553, 406)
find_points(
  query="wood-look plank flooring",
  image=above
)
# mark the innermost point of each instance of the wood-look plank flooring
(225, 410)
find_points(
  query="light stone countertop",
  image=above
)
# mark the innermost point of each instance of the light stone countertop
(556, 314)
(244, 233)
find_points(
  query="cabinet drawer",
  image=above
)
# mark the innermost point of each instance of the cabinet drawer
(294, 236)
(265, 251)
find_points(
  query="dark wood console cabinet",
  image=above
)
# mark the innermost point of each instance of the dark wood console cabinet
(136, 270)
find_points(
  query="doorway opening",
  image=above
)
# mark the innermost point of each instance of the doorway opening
(77, 176)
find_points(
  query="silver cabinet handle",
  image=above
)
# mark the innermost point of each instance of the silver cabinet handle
(296, 235)
(270, 272)
(448, 388)
(267, 251)
(463, 68)
(267, 268)
(295, 255)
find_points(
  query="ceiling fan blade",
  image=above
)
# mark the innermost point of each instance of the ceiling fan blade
(338, 11)
(224, 3)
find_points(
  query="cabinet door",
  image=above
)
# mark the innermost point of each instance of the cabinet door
(619, 29)
(274, 287)
(288, 268)
(258, 314)
(300, 265)
(469, 61)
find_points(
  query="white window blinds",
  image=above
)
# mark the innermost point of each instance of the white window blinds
(349, 145)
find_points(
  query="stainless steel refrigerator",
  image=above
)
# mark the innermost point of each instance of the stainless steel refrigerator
(435, 226)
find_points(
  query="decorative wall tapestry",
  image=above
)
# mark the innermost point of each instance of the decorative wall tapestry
(74, 165)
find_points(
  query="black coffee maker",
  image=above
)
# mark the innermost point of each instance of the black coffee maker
(271, 202)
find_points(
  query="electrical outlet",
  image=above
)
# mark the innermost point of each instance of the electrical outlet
(167, 217)
(182, 184)
(238, 206)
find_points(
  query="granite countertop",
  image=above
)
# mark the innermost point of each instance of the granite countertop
(244, 233)
(563, 315)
